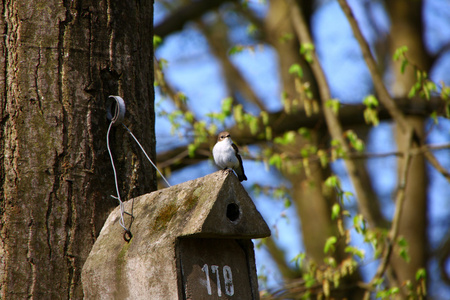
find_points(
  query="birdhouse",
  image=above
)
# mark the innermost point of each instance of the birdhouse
(190, 241)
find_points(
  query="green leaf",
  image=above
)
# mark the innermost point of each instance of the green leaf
(330, 261)
(371, 116)
(332, 182)
(235, 49)
(253, 123)
(287, 203)
(347, 195)
(421, 274)
(334, 105)
(227, 105)
(405, 255)
(355, 142)
(238, 114)
(403, 249)
(394, 290)
(305, 133)
(445, 92)
(355, 251)
(335, 210)
(191, 149)
(296, 69)
(309, 280)
(275, 160)
(359, 223)
(304, 152)
(157, 40)
(189, 116)
(403, 66)
(286, 139)
(268, 133)
(329, 244)
(370, 101)
(252, 28)
(182, 97)
(323, 158)
(402, 242)
(307, 50)
(298, 259)
(433, 116)
(286, 37)
(400, 52)
(429, 86)
(264, 117)
(212, 129)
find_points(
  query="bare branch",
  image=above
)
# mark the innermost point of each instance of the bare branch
(380, 88)
(182, 15)
(166, 88)
(219, 46)
(393, 233)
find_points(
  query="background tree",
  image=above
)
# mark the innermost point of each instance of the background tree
(60, 60)
(307, 132)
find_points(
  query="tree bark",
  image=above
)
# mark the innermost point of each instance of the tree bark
(60, 60)
(407, 31)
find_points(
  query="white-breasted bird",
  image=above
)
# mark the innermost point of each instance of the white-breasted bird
(226, 155)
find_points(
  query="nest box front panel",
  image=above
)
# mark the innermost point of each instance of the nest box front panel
(217, 269)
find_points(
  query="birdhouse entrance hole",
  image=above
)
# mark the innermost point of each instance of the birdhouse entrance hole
(233, 212)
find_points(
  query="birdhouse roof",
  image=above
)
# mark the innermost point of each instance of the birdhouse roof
(216, 205)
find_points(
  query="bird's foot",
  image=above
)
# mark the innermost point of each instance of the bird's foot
(228, 171)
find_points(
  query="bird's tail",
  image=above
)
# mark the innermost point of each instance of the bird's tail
(240, 173)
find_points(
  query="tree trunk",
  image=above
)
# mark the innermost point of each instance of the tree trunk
(312, 206)
(60, 60)
(407, 30)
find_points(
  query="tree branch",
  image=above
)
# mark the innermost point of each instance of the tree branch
(381, 90)
(281, 122)
(218, 40)
(182, 15)
(393, 233)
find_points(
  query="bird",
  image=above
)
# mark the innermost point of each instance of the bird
(226, 155)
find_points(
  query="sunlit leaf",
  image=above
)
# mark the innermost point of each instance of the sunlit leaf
(334, 105)
(370, 101)
(235, 49)
(400, 52)
(421, 274)
(191, 150)
(268, 133)
(332, 181)
(355, 251)
(296, 69)
(227, 105)
(157, 40)
(329, 244)
(335, 210)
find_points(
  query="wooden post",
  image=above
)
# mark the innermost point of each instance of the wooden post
(190, 241)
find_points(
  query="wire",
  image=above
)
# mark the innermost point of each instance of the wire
(117, 103)
(140, 146)
(122, 209)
